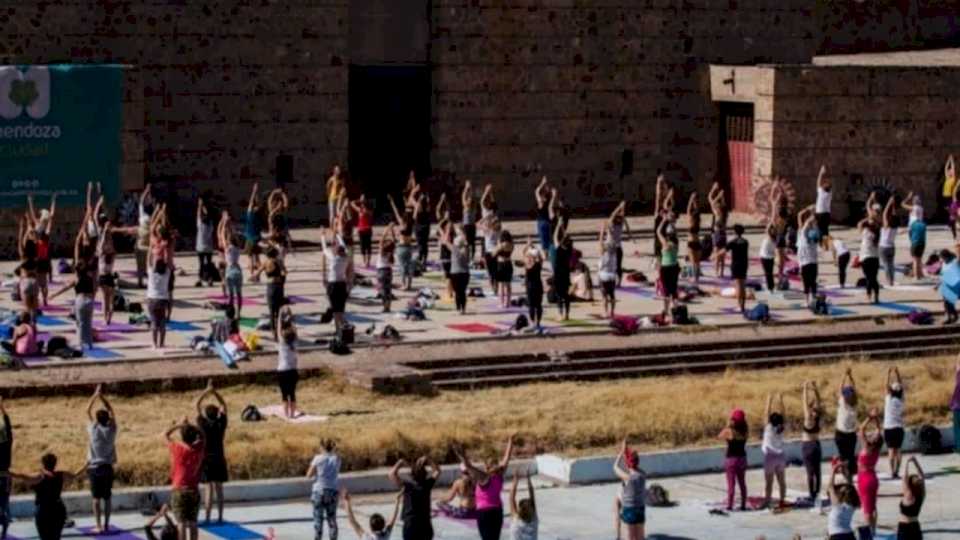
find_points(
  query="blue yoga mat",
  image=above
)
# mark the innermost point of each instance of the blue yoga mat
(51, 321)
(839, 312)
(901, 308)
(180, 326)
(231, 531)
(101, 354)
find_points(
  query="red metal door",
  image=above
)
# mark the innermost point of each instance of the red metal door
(738, 146)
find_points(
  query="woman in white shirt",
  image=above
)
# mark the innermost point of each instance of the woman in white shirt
(287, 374)
(607, 270)
(808, 238)
(774, 453)
(337, 260)
(844, 502)
(869, 251)
(887, 243)
(893, 420)
(845, 435)
(158, 298)
(822, 207)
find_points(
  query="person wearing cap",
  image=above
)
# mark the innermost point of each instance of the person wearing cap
(634, 491)
(736, 434)
(893, 420)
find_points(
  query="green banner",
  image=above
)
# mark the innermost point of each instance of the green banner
(59, 128)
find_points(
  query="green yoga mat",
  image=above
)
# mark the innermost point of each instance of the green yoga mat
(248, 322)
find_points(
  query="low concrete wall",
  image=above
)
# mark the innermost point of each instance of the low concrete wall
(594, 470)
(375, 481)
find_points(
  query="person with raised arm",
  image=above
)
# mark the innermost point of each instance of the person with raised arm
(633, 492)
(769, 245)
(811, 449)
(421, 219)
(27, 270)
(845, 434)
(617, 228)
(337, 260)
(739, 249)
(607, 270)
(888, 240)
(718, 208)
(524, 522)
(101, 457)
(233, 272)
(660, 193)
(504, 263)
(914, 493)
(380, 529)
(212, 420)
(844, 502)
(822, 206)
(808, 238)
(278, 228)
(869, 253)
(469, 217)
(84, 287)
(694, 245)
(43, 224)
(489, 482)
(159, 277)
(186, 465)
(917, 229)
(142, 245)
(774, 452)
(404, 247)
(455, 242)
(955, 406)
(868, 484)
(893, 420)
(533, 280)
(288, 374)
(50, 514)
(252, 227)
(444, 230)
(364, 215)
(951, 188)
(416, 490)
(385, 260)
(324, 470)
(205, 244)
(106, 257)
(669, 265)
(334, 186)
(491, 228)
(560, 261)
(735, 435)
(544, 228)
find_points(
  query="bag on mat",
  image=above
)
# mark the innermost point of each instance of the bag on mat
(820, 305)
(657, 496)
(931, 441)
(759, 313)
(251, 414)
(338, 347)
(679, 315)
(920, 316)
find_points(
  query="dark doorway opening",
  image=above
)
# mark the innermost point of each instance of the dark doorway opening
(735, 154)
(389, 128)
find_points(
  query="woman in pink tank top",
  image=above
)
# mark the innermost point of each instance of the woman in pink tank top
(867, 482)
(489, 482)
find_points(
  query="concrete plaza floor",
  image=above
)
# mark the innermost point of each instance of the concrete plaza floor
(568, 513)
(485, 317)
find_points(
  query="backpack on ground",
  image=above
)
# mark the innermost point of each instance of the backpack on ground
(680, 315)
(338, 347)
(930, 440)
(55, 344)
(251, 414)
(521, 322)
(820, 305)
(119, 301)
(920, 316)
(346, 334)
(657, 496)
(759, 313)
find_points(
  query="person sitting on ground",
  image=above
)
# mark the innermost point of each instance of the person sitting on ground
(774, 453)
(212, 420)
(416, 512)
(101, 457)
(950, 265)
(914, 492)
(844, 502)
(380, 529)
(186, 459)
(524, 523)
(463, 490)
(24, 341)
(918, 232)
(169, 529)
(325, 472)
(489, 482)
(633, 492)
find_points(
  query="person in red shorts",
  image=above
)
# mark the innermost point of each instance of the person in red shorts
(186, 462)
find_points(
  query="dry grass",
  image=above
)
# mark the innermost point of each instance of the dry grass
(573, 418)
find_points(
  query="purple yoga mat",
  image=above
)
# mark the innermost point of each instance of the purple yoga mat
(107, 336)
(116, 327)
(300, 300)
(223, 300)
(113, 533)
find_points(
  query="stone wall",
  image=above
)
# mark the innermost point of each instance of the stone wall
(848, 26)
(894, 126)
(227, 85)
(527, 87)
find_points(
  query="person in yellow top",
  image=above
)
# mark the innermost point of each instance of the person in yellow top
(334, 187)
(950, 186)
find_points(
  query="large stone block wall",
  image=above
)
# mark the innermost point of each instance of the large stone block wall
(226, 85)
(562, 87)
(894, 126)
(848, 26)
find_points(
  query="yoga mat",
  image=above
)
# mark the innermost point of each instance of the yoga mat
(473, 328)
(54, 309)
(356, 318)
(893, 306)
(636, 290)
(224, 299)
(736, 311)
(248, 322)
(304, 418)
(115, 327)
(576, 323)
(231, 531)
(180, 326)
(52, 321)
(101, 354)
(840, 312)
(300, 300)
(101, 337)
(114, 532)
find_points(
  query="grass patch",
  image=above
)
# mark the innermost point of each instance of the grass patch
(571, 418)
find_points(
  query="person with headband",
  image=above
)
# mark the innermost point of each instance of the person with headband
(735, 434)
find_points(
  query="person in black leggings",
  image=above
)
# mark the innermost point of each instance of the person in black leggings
(562, 251)
(870, 250)
(533, 266)
(50, 514)
(421, 216)
(914, 492)
(459, 266)
(812, 451)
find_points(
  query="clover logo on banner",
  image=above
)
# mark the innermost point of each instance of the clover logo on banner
(24, 91)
